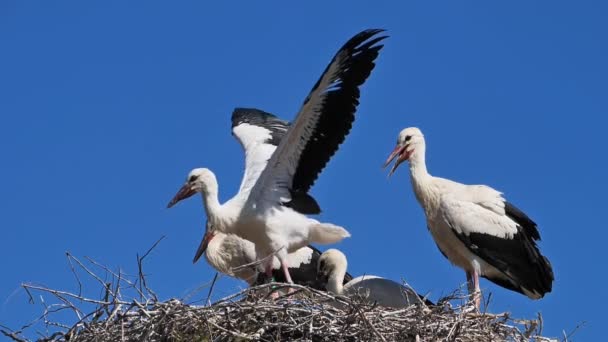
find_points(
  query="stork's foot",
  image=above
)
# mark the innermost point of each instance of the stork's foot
(470, 309)
(473, 303)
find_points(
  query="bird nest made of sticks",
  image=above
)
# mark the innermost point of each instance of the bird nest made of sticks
(306, 314)
(128, 310)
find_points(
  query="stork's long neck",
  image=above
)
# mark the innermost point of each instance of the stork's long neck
(422, 181)
(335, 281)
(211, 202)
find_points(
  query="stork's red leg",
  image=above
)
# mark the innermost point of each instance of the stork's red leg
(473, 287)
(286, 271)
(470, 285)
(476, 290)
(287, 275)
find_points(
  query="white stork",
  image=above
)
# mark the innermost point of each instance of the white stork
(228, 253)
(475, 227)
(277, 179)
(332, 267)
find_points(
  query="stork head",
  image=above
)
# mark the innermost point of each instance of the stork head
(198, 180)
(408, 141)
(330, 264)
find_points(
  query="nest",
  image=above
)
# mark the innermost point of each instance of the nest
(253, 314)
(305, 314)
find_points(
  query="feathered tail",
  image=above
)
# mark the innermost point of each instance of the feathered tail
(326, 233)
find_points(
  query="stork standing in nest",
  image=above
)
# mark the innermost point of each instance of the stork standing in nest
(277, 178)
(475, 227)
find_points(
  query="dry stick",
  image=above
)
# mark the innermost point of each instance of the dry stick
(80, 323)
(91, 273)
(208, 302)
(70, 305)
(108, 270)
(531, 329)
(68, 294)
(487, 303)
(142, 278)
(233, 333)
(13, 335)
(67, 254)
(578, 326)
(369, 324)
(29, 295)
(406, 285)
(193, 292)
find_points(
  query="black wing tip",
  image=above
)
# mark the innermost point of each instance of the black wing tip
(545, 276)
(367, 33)
(358, 40)
(356, 60)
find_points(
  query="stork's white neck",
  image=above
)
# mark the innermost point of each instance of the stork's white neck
(417, 161)
(211, 202)
(336, 280)
(422, 181)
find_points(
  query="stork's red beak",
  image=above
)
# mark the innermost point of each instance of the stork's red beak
(183, 193)
(203, 246)
(401, 154)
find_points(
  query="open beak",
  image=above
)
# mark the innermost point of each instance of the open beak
(203, 246)
(401, 154)
(183, 193)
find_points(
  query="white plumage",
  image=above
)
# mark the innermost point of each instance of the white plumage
(263, 209)
(332, 268)
(228, 254)
(475, 227)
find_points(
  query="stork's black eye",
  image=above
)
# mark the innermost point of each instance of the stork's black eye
(322, 265)
(192, 178)
(408, 138)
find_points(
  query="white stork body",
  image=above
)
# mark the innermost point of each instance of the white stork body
(385, 292)
(282, 161)
(228, 253)
(475, 227)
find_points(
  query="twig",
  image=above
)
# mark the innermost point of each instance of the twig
(68, 294)
(573, 331)
(68, 255)
(211, 288)
(142, 278)
(13, 335)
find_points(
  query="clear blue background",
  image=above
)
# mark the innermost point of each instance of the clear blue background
(106, 106)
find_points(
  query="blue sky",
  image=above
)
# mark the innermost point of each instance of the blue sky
(106, 106)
